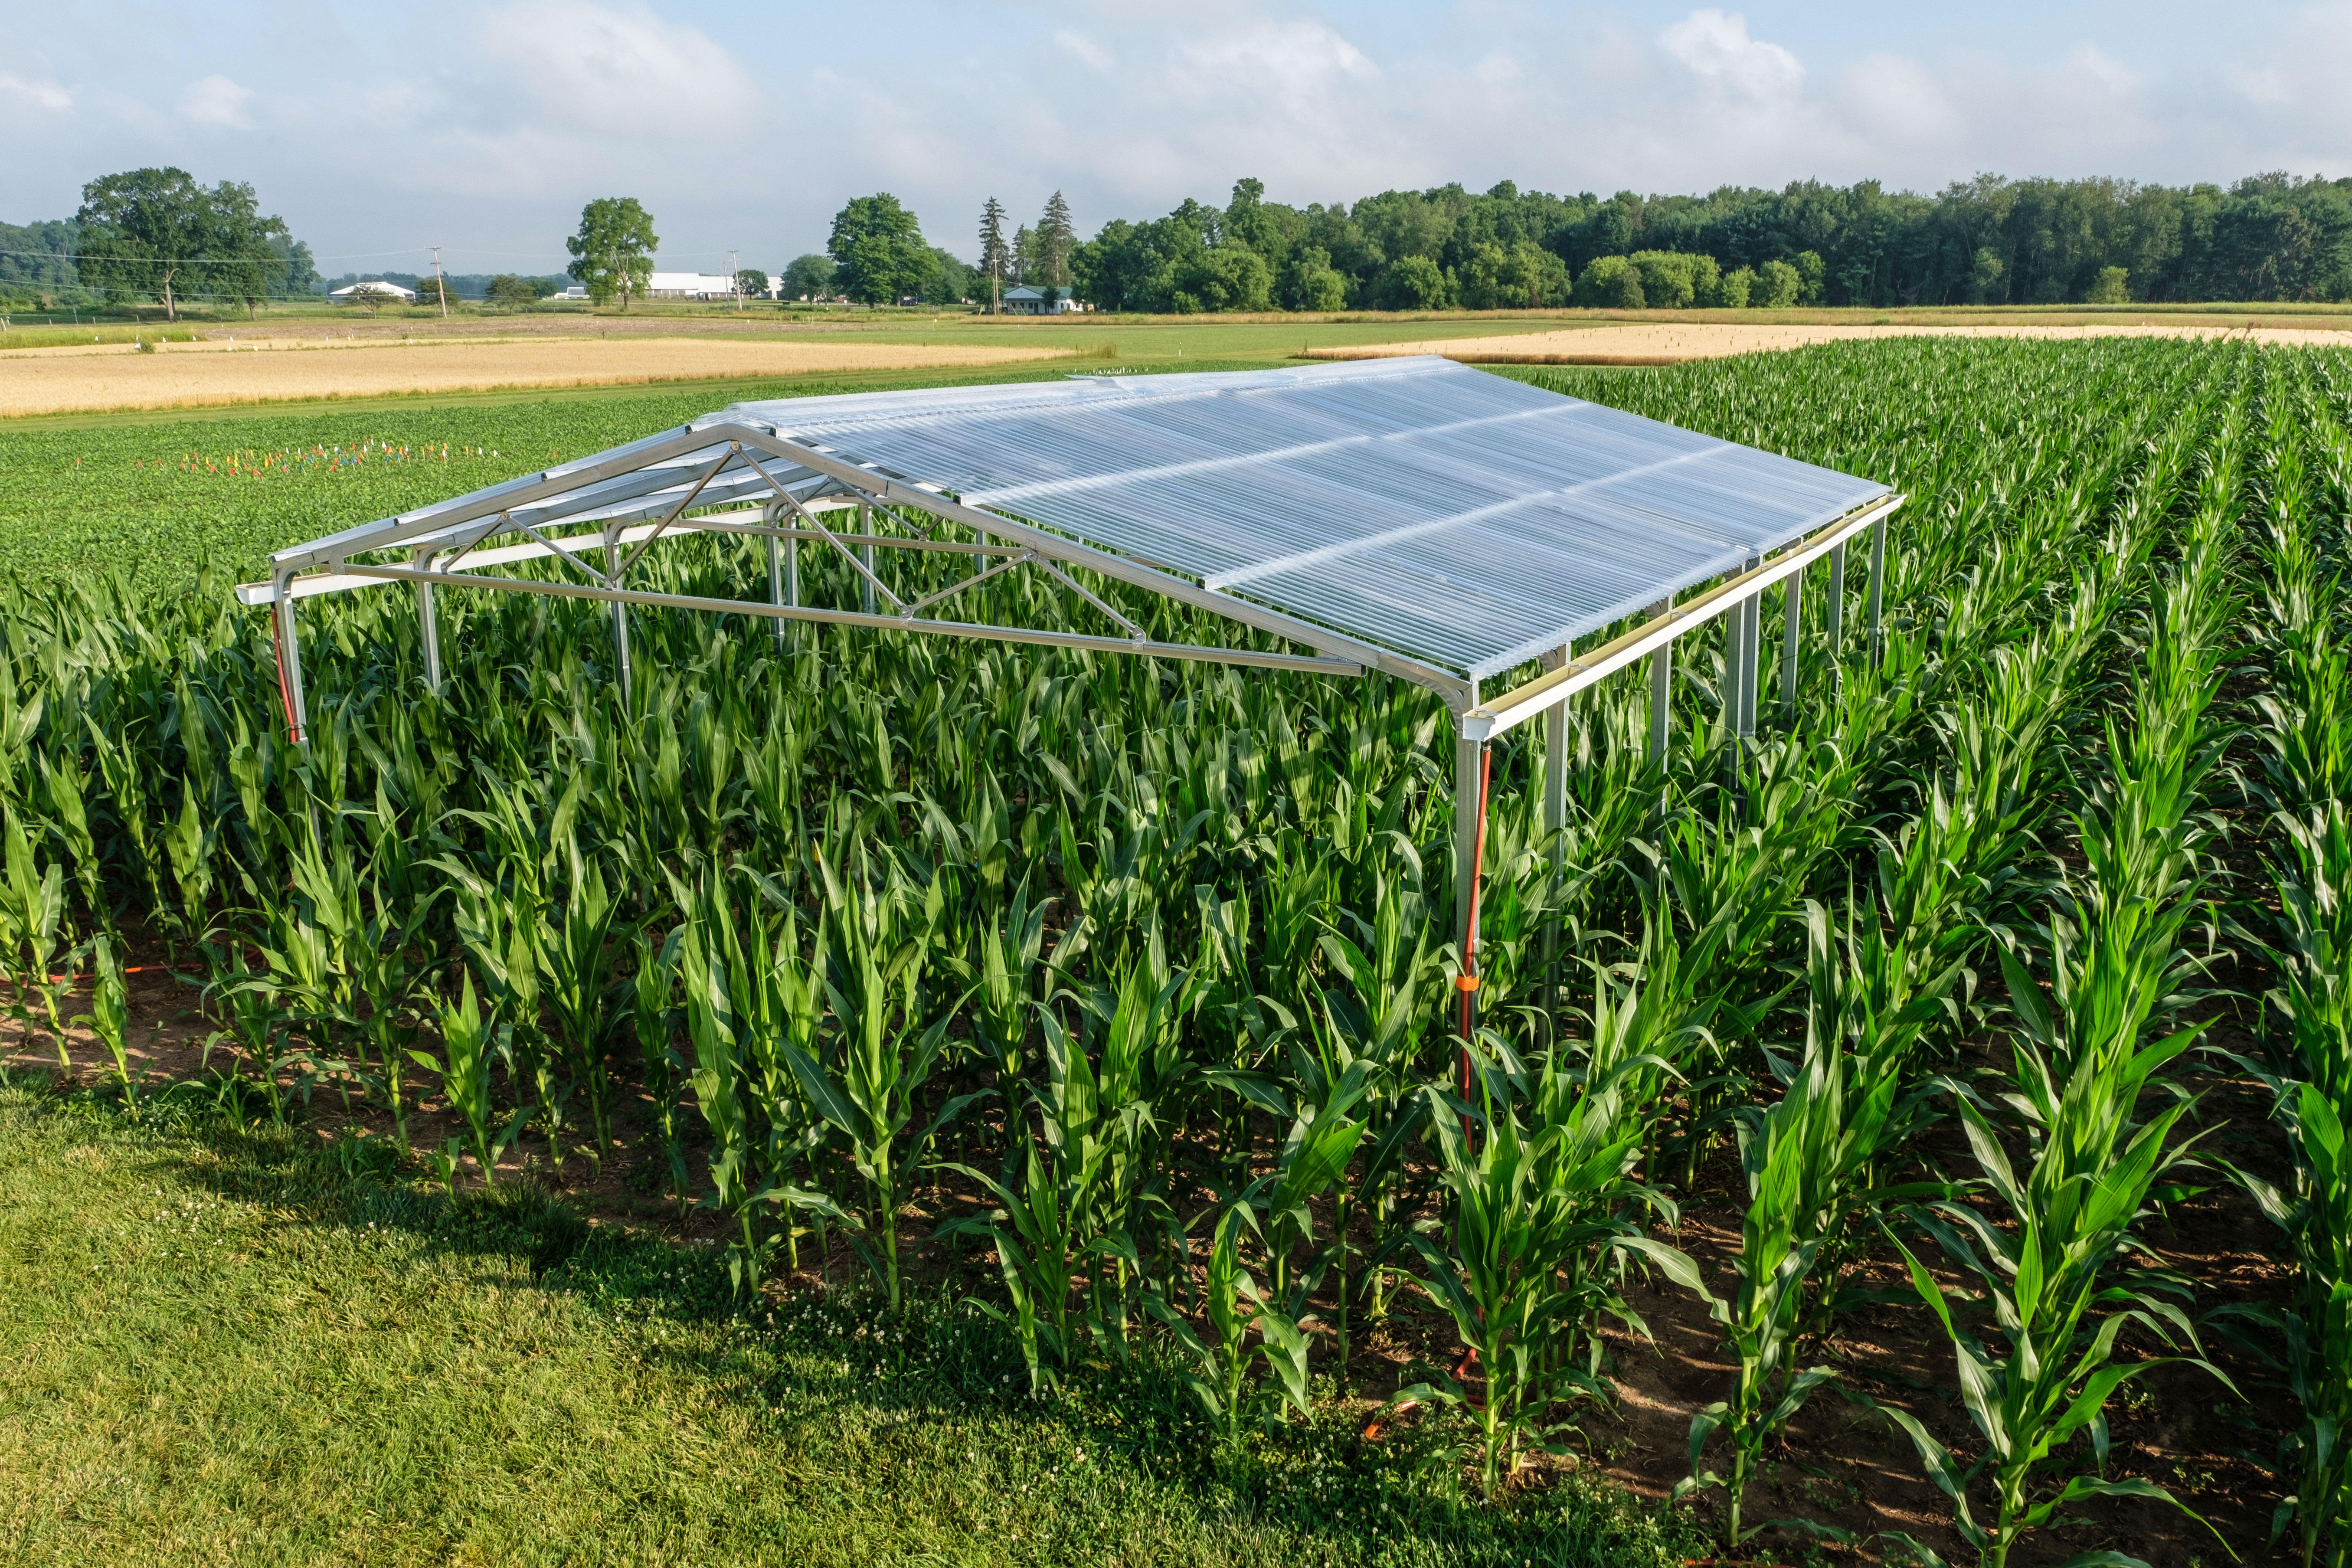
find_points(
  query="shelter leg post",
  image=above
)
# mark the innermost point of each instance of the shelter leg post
(1751, 660)
(1732, 642)
(1555, 825)
(1662, 677)
(1877, 590)
(772, 515)
(613, 557)
(1792, 621)
(1470, 760)
(427, 626)
(1836, 621)
(289, 664)
(1836, 608)
(866, 553)
(1748, 625)
(776, 584)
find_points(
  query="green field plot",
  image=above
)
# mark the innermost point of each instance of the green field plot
(862, 1096)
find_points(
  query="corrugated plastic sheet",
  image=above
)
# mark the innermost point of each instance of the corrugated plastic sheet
(1455, 516)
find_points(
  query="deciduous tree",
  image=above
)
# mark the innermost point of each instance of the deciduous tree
(809, 277)
(879, 247)
(157, 231)
(613, 251)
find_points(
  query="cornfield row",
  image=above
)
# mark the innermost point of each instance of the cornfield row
(1132, 975)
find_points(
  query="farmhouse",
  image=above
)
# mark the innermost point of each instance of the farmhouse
(1030, 300)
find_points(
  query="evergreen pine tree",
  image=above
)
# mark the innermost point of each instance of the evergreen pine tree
(1056, 238)
(993, 256)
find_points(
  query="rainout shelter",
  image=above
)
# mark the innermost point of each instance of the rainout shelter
(1439, 523)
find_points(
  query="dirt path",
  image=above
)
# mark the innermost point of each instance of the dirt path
(225, 368)
(1672, 343)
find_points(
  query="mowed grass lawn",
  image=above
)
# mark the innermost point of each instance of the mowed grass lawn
(237, 1347)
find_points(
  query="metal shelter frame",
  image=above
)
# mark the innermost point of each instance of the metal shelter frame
(757, 472)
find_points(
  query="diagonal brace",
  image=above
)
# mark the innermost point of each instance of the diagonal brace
(583, 566)
(733, 449)
(834, 539)
(1075, 586)
(974, 580)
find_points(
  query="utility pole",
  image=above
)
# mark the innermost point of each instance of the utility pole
(440, 288)
(735, 281)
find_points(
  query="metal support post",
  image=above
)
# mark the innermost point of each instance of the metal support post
(1792, 621)
(1836, 607)
(1751, 652)
(289, 664)
(775, 572)
(613, 559)
(1732, 643)
(1740, 654)
(1555, 825)
(1877, 590)
(428, 628)
(866, 553)
(1661, 678)
(1470, 762)
(1467, 761)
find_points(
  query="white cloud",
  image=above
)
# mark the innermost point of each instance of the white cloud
(1092, 54)
(1900, 99)
(1286, 57)
(1717, 48)
(2094, 68)
(46, 92)
(622, 70)
(216, 100)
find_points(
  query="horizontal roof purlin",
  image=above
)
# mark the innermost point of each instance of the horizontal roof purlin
(1459, 519)
(1455, 516)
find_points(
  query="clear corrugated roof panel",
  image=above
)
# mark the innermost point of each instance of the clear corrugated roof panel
(1457, 517)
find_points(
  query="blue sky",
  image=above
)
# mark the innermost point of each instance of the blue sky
(377, 130)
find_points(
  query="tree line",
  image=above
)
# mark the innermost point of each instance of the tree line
(158, 234)
(1985, 241)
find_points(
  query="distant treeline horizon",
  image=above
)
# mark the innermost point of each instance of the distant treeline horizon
(1991, 241)
(1985, 241)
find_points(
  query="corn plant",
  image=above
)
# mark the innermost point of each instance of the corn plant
(109, 1015)
(2093, 1170)
(1512, 1232)
(1796, 1156)
(32, 916)
(573, 969)
(1236, 1308)
(464, 1065)
(884, 1056)
(716, 1079)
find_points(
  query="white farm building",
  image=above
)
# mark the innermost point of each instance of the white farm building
(376, 289)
